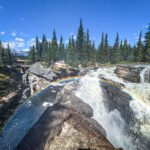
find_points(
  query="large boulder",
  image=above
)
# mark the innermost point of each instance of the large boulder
(54, 72)
(129, 73)
(66, 126)
(41, 71)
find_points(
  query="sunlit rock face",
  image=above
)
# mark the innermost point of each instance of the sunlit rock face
(39, 76)
(54, 72)
(67, 125)
(129, 73)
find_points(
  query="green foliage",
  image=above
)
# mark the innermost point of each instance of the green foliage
(83, 51)
(32, 55)
(4, 84)
(147, 45)
(1, 53)
(115, 53)
(139, 55)
(80, 42)
(101, 52)
(6, 56)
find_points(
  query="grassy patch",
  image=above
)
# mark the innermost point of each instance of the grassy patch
(4, 84)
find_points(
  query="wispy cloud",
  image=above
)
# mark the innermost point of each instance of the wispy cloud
(67, 41)
(19, 39)
(20, 44)
(14, 33)
(23, 34)
(1, 7)
(71, 33)
(25, 49)
(31, 42)
(137, 37)
(75, 37)
(12, 44)
(21, 19)
(145, 26)
(2, 33)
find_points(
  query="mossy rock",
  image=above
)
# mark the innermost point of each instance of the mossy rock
(4, 84)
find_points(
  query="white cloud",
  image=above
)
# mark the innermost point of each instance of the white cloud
(19, 39)
(2, 33)
(31, 42)
(23, 34)
(71, 33)
(12, 44)
(20, 44)
(26, 50)
(137, 37)
(32, 39)
(49, 40)
(67, 41)
(143, 39)
(21, 19)
(75, 37)
(145, 25)
(13, 33)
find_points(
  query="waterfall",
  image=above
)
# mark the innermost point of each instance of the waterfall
(145, 75)
(90, 91)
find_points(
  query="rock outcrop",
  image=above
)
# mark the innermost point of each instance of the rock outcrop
(66, 126)
(40, 76)
(129, 73)
(54, 72)
(18, 89)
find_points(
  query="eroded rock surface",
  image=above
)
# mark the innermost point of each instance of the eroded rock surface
(66, 126)
(129, 73)
(54, 72)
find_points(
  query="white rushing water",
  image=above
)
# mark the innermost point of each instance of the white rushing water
(90, 91)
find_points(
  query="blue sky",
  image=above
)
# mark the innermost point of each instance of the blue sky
(22, 20)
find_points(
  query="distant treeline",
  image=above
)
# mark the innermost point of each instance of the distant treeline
(6, 56)
(83, 49)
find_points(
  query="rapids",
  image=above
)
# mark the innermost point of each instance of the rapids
(90, 91)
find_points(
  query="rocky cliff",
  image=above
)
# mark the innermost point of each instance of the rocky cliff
(14, 92)
(67, 125)
(129, 73)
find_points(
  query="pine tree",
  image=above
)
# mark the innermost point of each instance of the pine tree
(84, 52)
(54, 47)
(50, 58)
(115, 53)
(147, 45)
(125, 50)
(88, 46)
(101, 54)
(93, 53)
(61, 50)
(8, 56)
(38, 53)
(44, 48)
(131, 57)
(69, 56)
(121, 50)
(106, 49)
(74, 52)
(80, 42)
(32, 55)
(1, 53)
(139, 57)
